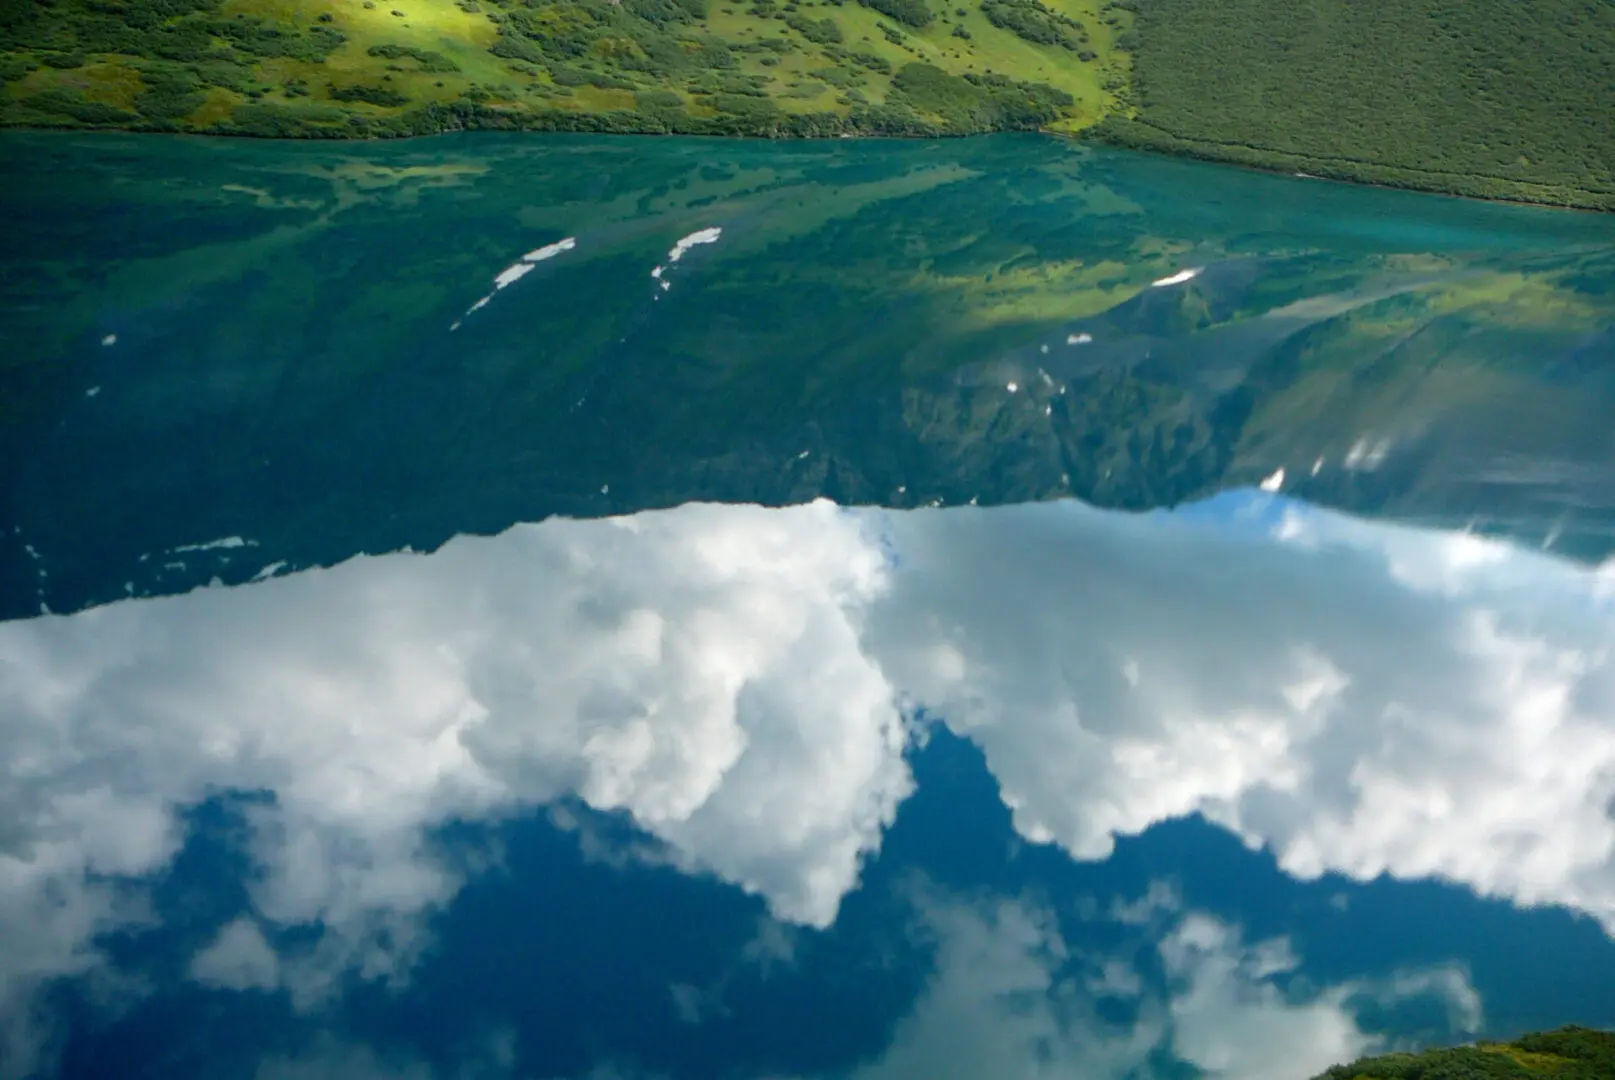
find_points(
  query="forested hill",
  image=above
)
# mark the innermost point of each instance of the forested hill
(1492, 98)
(1495, 98)
(344, 68)
(1571, 1053)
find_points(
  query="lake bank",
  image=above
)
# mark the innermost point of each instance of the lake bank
(809, 128)
(1323, 90)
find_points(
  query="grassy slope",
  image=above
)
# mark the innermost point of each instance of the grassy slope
(1492, 98)
(1567, 1054)
(306, 67)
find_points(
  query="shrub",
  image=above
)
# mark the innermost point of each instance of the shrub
(515, 47)
(818, 31)
(977, 102)
(908, 12)
(658, 99)
(13, 68)
(169, 94)
(59, 102)
(568, 76)
(1030, 21)
(745, 106)
(271, 121)
(372, 95)
(878, 64)
(839, 77)
(425, 59)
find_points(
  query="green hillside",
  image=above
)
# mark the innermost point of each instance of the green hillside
(344, 68)
(1494, 98)
(1571, 1053)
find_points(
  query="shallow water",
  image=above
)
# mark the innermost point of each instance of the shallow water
(672, 608)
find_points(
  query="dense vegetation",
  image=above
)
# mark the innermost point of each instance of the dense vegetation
(1492, 98)
(345, 68)
(1482, 97)
(1571, 1053)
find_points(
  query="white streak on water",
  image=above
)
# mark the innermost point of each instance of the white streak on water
(1367, 454)
(1178, 278)
(702, 236)
(512, 274)
(549, 251)
(212, 545)
(518, 270)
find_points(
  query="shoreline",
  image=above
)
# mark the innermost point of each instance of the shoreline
(1124, 135)
(1094, 135)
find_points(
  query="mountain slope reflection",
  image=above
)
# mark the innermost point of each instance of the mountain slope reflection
(254, 341)
(745, 685)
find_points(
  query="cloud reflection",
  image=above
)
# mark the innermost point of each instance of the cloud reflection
(741, 681)
(1013, 995)
(1012, 998)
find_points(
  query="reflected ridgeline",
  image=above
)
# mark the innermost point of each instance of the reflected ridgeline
(252, 358)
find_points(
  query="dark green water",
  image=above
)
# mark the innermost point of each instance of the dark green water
(1196, 662)
(284, 366)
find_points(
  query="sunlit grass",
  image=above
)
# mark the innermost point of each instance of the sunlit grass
(799, 76)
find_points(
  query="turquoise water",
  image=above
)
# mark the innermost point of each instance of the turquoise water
(587, 607)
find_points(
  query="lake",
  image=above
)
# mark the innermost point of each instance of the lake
(625, 608)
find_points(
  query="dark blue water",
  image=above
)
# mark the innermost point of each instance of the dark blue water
(590, 608)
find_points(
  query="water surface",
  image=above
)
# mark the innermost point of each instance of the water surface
(576, 607)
